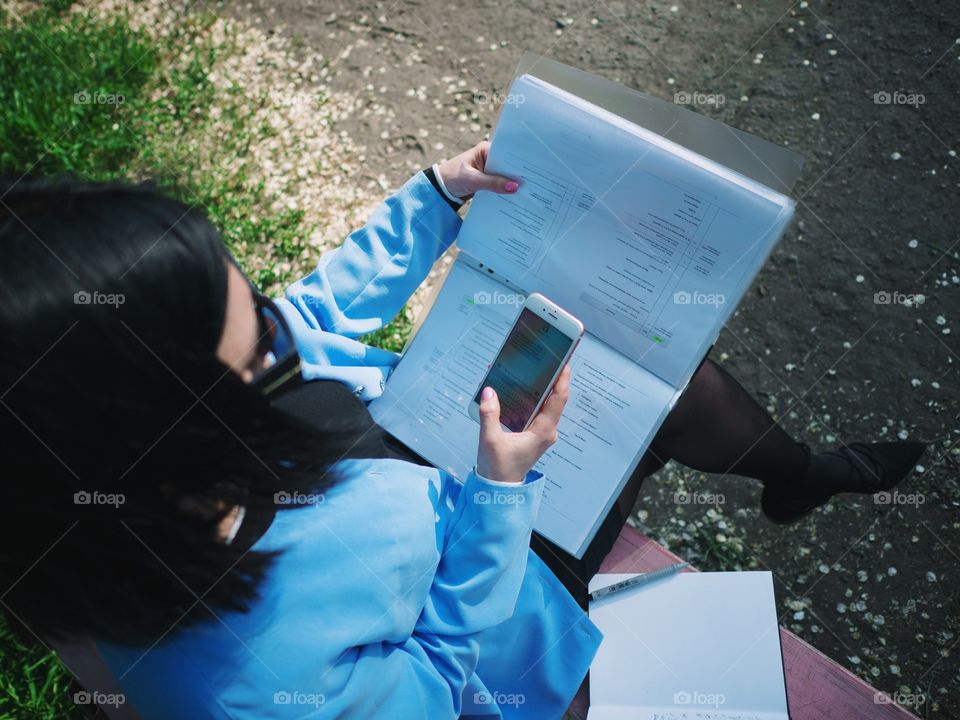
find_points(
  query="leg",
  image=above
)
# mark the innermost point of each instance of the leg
(717, 427)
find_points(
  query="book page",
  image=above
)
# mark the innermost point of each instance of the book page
(615, 407)
(769, 164)
(708, 643)
(649, 244)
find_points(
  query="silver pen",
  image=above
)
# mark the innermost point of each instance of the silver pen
(638, 580)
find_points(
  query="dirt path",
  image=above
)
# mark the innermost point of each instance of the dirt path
(872, 585)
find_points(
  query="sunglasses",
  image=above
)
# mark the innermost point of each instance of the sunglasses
(276, 347)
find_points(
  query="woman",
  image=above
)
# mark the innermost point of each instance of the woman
(243, 544)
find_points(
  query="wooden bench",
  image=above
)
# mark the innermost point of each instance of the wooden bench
(817, 687)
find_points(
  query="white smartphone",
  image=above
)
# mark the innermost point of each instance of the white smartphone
(542, 339)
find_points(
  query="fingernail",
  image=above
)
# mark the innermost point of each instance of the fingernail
(511, 186)
(487, 393)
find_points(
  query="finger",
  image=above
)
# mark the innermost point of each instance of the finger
(481, 150)
(494, 183)
(545, 424)
(489, 415)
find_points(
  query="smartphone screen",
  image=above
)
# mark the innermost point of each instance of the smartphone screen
(522, 372)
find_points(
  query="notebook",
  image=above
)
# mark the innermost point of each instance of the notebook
(692, 646)
(650, 244)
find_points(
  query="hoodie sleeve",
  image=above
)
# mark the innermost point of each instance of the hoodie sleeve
(361, 286)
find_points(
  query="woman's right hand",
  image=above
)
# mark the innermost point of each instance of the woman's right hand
(508, 456)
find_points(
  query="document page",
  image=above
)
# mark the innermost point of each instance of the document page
(649, 244)
(708, 644)
(615, 406)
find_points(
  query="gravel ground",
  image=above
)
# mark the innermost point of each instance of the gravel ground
(849, 333)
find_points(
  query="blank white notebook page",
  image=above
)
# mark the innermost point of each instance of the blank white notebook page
(706, 643)
(614, 408)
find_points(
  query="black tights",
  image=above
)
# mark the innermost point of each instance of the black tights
(717, 427)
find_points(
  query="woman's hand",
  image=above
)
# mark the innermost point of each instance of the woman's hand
(508, 456)
(463, 175)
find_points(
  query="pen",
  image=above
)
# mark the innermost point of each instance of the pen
(638, 580)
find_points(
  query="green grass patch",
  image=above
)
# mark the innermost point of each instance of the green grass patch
(69, 86)
(393, 335)
(33, 681)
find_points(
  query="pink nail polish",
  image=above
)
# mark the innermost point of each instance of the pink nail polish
(511, 186)
(487, 393)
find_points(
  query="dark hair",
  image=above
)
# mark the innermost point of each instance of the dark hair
(112, 303)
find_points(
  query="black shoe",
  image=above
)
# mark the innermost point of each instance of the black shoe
(859, 467)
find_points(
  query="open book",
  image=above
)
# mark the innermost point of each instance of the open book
(693, 646)
(649, 244)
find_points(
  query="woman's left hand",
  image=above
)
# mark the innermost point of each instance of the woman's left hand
(464, 174)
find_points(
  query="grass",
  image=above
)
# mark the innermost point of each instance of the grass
(68, 85)
(33, 682)
(100, 100)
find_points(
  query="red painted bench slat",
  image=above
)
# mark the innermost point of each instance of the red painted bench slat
(817, 687)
